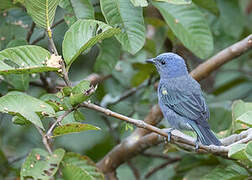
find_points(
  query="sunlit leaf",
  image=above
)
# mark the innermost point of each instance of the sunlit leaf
(82, 35)
(77, 9)
(24, 59)
(39, 164)
(237, 151)
(42, 11)
(79, 167)
(122, 14)
(177, 1)
(73, 128)
(17, 103)
(141, 3)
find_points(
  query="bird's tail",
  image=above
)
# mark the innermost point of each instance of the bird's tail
(205, 135)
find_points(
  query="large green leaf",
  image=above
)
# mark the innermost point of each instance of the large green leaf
(82, 35)
(24, 59)
(241, 114)
(177, 1)
(237, 151)
(6, 4)
(231, 17)
(73, 128)
(77, 9)
(189, 25)
(42, 11)
(246, 118)
(141, 3)
(79, 167)
(17, 103)
(230, 172)
(122, 13)
(248, 151)
(209, 5)
(41, 165)
(79, 92)
(18, 81)
(108, 56)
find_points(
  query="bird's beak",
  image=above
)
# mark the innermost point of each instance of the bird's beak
(152, 61)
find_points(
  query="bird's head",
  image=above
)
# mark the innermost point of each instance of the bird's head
(169, 65)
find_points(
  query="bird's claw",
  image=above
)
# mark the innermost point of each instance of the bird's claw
(168, 131)
(197, 144)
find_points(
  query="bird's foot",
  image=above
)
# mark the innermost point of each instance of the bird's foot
(197, 144)
(168, 131)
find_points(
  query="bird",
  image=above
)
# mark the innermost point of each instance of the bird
(181, 99)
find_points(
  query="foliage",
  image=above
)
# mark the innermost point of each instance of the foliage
(112, 39)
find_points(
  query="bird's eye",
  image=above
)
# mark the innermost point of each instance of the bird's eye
(163, 62)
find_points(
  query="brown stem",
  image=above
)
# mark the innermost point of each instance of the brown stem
(30, 32)
(161, 166)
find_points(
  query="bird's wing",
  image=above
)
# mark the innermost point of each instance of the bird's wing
(188, 104)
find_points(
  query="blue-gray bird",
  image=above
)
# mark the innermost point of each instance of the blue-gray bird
(180, 98)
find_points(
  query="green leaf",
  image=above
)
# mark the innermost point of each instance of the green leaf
(108, 56)
(245, 118)
(42, 11)
(16, 42)
(189, 25)
(77, 9)
(237, 151)
(54, 101)
(78, 116)
(82, 35)
(6, 4)
(209, 5)
(39, 164)
(177, 1)
(144, 72)
(123, 14)
(73, 128)
(18, 81)
(79, 167)
(248, 151)
(230, 172)
(21, 104)
(24, 59)
(238, 109)
(197, 173)
(231, 17)
(74, 172)
(141, 3)
(78, 94)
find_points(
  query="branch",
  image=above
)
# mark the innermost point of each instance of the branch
(231, 52)
(30, 32)
(45, 140)
(161, 166)
(59, 119)
(140, 141)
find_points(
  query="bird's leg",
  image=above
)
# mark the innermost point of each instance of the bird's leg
(168, 131)
(197, 143)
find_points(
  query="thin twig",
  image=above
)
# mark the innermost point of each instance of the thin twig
(63, 67)
(161, 166)
(161, 156)
(44, 34)
(30, 32)
(177, 136)
(59, 119)
(45, 140)
(134, 170)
